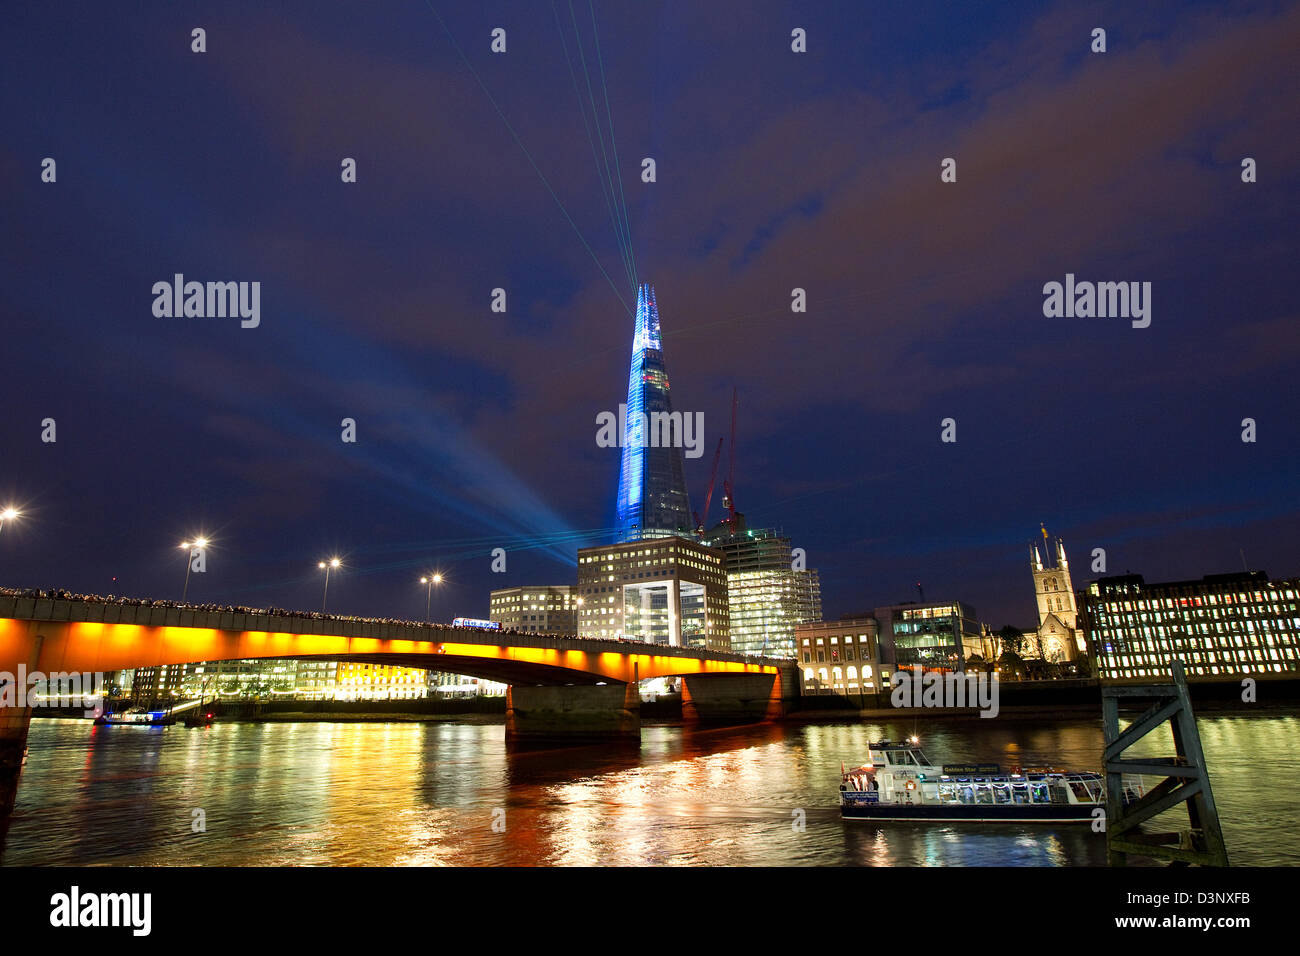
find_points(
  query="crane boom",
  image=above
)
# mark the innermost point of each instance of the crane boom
(708, 497)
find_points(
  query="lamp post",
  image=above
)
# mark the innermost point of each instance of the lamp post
(188, 547)
(429, 580)
(327, 565)
(9, 514)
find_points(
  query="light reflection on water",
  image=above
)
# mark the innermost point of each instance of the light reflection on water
(425, 794)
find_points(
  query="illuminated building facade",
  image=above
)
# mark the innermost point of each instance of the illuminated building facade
(460, 685)
(266, 679)
(540, 609)
(766, 597)
(652, 499)
(662, 591)
(380, 682)
(316, 680)
(230, 680)
(1224, 625)
(841, 657)
(935, 636)
(158, 683)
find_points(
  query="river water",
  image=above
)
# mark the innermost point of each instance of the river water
(383, 794)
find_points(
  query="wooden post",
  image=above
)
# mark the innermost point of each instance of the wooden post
(1187, 780)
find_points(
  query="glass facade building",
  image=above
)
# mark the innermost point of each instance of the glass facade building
(766, 597)
(1224, 625)
(652, 499)
(935, 636)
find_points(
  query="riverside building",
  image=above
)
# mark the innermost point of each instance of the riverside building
(1224, 625)
(380, 682)
(841, 657)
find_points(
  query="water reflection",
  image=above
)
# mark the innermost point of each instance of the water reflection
(438, 793)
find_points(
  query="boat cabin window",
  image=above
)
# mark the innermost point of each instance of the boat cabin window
(906, 758)
(1084, 790)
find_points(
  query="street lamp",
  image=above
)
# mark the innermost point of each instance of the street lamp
(188, 547)
(9, 514)
(430, 580)
(332, 563)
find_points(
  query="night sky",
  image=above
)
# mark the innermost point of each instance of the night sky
(775, 170)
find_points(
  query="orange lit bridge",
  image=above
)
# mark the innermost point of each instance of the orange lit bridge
(559, 687)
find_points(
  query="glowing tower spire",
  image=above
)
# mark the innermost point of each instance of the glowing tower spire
(652, 499)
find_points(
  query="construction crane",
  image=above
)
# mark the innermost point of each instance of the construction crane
(709, 497)
(728, 485)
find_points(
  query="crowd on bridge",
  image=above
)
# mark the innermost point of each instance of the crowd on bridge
(58, 594)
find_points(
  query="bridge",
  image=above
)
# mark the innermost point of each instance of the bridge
(559, 687)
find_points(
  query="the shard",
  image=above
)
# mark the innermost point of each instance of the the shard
(652, 499)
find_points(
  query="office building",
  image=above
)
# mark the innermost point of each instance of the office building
(841, 657)
(1228, 626)
(538, 609)
(662, 591)
(356, 681)
(941, 636)
(766, 597)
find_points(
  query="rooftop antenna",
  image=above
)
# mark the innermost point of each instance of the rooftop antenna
(1244, 566)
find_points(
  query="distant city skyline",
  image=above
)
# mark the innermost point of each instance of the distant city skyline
(775, 171)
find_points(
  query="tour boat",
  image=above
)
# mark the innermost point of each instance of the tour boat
(900, 783)
(136, 718)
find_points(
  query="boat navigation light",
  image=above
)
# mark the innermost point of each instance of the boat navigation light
(915, 740)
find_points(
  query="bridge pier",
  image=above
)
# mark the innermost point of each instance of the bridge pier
(17, 647)
(738, 698)
(582, 712)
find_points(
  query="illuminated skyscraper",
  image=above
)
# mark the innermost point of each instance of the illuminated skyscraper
(652, 499)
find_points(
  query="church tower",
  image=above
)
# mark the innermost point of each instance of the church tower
(1058, 610)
